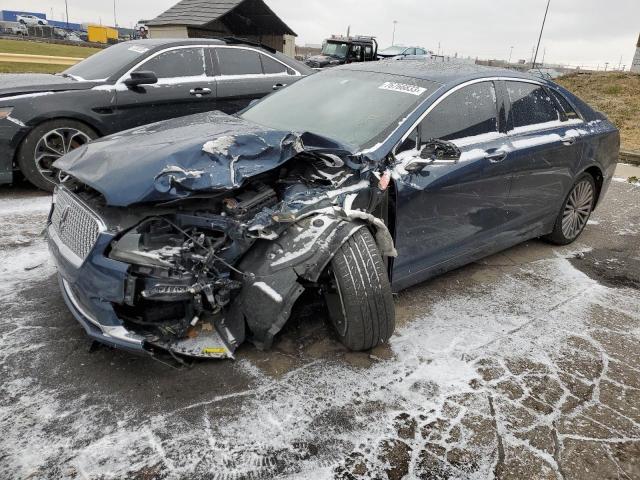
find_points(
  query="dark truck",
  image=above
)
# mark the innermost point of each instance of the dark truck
(339, 50)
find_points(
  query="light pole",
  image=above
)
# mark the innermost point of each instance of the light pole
(66, 9)
(510, 54)
(535, 57)
(115, 21)
(393, 36)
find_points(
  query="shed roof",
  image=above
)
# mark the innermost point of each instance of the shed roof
(240, 16)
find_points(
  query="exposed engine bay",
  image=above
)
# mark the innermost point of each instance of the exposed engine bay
(214, 268)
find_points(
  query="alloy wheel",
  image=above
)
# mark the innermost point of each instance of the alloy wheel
(577, 209)
(53, 145)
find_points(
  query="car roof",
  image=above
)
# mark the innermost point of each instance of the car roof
(436, 71)
(162, 42)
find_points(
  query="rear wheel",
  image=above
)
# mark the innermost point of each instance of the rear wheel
(575, 212)
(359, 296)
(45, 144)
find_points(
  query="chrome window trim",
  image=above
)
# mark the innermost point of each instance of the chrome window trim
(453, 90)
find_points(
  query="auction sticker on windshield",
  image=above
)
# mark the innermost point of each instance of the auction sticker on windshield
(403, 88)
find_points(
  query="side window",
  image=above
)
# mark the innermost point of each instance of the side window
(420, 51)
(368, 52)
(468, 112)
(355, 52)
(410, 51)
(271, 66)
(530, 104)
(238, 61)
(566, 106)
(182, 62)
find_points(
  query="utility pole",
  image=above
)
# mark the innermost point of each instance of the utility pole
(393, 36)
(544, 54)
(115, 21)
(620, 63)
(606, 64)
(510, 54)
(544, 20)
(66, 8)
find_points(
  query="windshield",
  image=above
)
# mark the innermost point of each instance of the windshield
(355, 108)
(104, 64)
(333, 49)
(393, 51)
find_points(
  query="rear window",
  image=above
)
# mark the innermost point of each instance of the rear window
(530, 104)
(271, 66)
(566, 106)
(238, 61)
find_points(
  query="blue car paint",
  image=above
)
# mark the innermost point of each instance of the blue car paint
(456, 214)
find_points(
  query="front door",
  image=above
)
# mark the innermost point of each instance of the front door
(183, 88)
(451, 209)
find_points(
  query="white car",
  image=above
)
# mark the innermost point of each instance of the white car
(31, 20)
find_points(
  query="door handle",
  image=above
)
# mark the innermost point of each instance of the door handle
(279, 85)
(198, 91)
(495, 156)
(568, 140)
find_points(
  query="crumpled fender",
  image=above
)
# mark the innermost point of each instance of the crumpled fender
(274, 270)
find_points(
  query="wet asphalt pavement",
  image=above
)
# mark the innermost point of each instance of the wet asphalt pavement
(523, 365)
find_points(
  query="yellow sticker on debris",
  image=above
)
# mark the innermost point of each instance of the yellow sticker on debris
(214, 350)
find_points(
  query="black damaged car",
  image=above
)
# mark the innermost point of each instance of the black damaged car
(190, 236)
(42, 117)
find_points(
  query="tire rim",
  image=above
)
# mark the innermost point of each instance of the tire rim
(53, 145)
(577, 209)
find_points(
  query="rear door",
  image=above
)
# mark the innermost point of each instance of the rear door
(241, 77)
(452, 209)
(184, 87)
(546, 149)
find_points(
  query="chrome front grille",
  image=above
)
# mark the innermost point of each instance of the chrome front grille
(75, 225)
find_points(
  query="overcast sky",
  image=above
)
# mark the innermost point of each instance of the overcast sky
(586, 32)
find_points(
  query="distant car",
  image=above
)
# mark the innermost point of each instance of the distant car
(339, 50)
(31, 20)
(73, 37)
(397, 50)
(194, 234)
(13, 28)
(59, 33)
(42, 117)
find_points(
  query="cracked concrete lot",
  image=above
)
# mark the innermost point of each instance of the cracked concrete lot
(523, 365)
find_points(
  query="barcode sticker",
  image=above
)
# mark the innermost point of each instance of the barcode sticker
(138, 49)
(403, 88)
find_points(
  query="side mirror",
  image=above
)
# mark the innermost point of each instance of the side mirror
(141, 78)
(436, 149)
(432, 151)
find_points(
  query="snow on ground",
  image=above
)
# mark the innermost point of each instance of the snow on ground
(498, 368)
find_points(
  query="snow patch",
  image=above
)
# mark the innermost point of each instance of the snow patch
(269, 291)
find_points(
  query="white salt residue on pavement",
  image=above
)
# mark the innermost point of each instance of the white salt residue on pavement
(305, 422)
(23, 221)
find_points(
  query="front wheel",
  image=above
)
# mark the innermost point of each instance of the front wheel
(45, 144)
(359, 296)
(575, 212)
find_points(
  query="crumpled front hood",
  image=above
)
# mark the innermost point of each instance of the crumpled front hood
(176, 158)
(26, 83)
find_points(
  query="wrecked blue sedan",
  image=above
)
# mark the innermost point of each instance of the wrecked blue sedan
(192, 235)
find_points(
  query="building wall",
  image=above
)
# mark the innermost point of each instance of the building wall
(289, 47)
(635, 67)
(168, 31)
